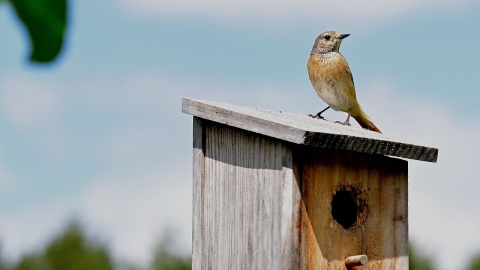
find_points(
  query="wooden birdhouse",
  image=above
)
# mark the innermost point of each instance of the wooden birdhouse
(274, 190)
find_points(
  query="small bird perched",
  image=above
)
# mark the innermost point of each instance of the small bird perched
(332, 79)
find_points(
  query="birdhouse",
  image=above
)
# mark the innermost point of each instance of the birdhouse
(274, 190)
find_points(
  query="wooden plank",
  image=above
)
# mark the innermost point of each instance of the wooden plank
(378, 186)
(198, 190)
(301, 129)
(245, 204)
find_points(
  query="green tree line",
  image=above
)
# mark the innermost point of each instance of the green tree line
(74, 249)
(419, 260)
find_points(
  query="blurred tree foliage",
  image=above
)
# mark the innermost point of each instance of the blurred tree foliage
(46, 24)
(3, 263)
(474, 263)
(417, 260)
(165, 257)
(71, 250)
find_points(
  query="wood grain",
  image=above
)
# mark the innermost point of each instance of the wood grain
(263, 203)
(303, 130)
(242, 200)
(198, 188)
(379, 185)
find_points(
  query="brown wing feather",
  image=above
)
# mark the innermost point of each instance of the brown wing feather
(345, 75)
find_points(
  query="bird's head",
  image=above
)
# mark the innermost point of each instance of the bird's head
(328, 42)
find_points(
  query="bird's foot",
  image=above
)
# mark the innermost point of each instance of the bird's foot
(346, 123)
(317, 116)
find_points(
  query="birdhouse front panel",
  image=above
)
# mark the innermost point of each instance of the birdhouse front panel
(352, 204)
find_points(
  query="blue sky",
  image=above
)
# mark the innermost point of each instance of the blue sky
(100, 135)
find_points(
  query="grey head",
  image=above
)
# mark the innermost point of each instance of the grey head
(328, 42)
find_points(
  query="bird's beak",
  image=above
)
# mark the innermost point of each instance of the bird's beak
(342, 36)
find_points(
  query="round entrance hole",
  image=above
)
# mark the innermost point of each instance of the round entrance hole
(344, 208)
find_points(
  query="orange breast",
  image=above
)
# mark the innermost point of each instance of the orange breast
(332, 80)
(315, 69)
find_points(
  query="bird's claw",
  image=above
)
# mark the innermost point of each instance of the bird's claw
(343, 123)
(317, 116)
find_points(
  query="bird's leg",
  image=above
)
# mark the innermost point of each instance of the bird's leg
(347, 122)
(319, 115)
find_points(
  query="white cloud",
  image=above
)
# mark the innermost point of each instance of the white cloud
(29, 104)
(9, 179)
(133, 208)
(27, 230)
(34, 108)
(270, 11)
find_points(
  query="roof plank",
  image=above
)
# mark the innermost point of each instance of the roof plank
(304, 130)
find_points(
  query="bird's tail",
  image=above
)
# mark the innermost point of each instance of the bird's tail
(365, 122)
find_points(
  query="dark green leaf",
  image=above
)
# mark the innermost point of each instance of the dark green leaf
(46, 22)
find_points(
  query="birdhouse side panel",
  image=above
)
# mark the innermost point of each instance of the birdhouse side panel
(242, 195)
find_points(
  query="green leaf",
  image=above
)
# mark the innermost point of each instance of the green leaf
(46, 23)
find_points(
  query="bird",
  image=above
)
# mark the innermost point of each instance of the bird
(332, 79)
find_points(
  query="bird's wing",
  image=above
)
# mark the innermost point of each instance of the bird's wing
(344, 75)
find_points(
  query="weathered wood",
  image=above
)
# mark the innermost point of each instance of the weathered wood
(198, 188)
(242, 200)
(300, 129)
(260, 203)
(378, 186)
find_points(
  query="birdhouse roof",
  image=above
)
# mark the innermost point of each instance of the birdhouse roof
(303, 130)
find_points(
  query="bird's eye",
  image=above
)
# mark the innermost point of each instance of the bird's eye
(327, 37)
